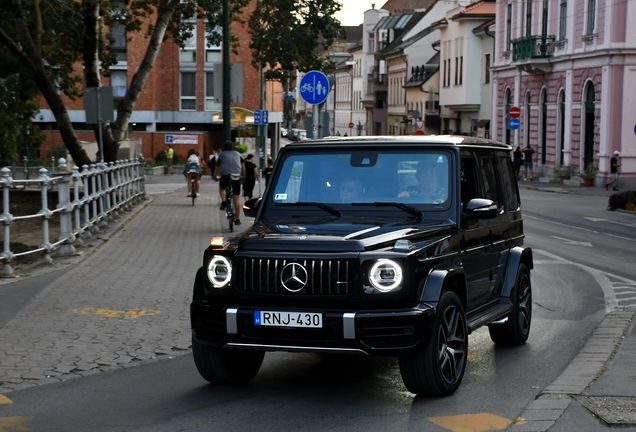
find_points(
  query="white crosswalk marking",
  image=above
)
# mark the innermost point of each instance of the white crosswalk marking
(618, 291)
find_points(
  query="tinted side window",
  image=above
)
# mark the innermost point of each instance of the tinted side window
(469, 180)
(509, 187)
(489, 179)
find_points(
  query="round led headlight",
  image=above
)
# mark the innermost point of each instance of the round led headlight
(219, 271)
(385, 275)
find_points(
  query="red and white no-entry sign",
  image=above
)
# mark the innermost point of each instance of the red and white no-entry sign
(514, 112)
(350, 125)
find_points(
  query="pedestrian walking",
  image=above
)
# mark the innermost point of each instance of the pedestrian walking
(267, 172)
(251, 174)
(212, 162)
(614, 172)
(169, 158)
(527, 163)
(518, 159)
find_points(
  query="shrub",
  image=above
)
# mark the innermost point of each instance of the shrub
(622, 200)
(241, 148)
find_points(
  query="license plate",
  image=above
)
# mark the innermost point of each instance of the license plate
(288, 319)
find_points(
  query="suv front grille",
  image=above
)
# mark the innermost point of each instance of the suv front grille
(324, 276)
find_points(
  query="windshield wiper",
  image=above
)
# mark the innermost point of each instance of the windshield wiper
(411, 210)
(334, 211)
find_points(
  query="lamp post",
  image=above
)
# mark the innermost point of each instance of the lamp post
(351, 64)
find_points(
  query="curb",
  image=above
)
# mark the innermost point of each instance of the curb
(588, 365)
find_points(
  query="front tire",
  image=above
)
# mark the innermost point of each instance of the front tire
(516, 330)
(226, 366)
(437, 369)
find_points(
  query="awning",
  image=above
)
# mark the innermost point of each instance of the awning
(483, 123)
(237, 115)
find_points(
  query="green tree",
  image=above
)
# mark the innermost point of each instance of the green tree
(288, 35)
(49, 39)
(18, 105)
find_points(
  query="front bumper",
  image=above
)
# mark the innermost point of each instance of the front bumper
(370, 332)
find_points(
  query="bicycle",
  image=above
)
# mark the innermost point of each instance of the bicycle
(230, 212)
(192, 178)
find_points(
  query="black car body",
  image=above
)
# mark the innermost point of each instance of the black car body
(429, 249)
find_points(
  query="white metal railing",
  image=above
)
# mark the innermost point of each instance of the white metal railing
(87, 200)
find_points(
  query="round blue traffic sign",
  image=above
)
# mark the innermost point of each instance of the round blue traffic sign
(514, 123)
(314, 87)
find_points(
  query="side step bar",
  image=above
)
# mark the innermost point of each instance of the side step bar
(496, 313)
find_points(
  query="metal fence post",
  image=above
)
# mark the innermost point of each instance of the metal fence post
(7, 219)
(88, 224)
(77, 206)
(66, 216)
(46, 214)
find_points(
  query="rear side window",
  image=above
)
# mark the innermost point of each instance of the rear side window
(489, 179)
(508, 184)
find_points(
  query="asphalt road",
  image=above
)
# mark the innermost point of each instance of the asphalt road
(574, 285)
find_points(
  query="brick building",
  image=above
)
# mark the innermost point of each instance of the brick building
(182, 100)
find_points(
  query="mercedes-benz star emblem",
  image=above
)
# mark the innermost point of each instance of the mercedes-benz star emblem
(294, 277)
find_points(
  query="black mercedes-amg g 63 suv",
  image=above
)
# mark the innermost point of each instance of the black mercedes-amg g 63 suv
(397, 246)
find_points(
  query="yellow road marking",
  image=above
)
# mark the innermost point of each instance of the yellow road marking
(471, 422)
(13, 424)
(5, 400)
(111, 313)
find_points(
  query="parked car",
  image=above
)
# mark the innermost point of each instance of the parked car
(397, 246)
(283, 132)
(295, 133)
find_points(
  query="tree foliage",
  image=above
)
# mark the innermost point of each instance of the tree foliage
(50, 38)
(287, 35)
(17, 108)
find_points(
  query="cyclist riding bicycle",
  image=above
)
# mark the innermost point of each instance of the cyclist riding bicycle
(229, 163)
(193, 168)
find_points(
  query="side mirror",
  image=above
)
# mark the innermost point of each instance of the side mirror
(251, 206)
(481, 208)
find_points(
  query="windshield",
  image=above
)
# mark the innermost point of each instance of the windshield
(362, 176)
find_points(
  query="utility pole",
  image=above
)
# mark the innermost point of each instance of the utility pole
(227, 118)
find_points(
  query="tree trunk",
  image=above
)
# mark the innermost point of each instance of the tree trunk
(27, 53)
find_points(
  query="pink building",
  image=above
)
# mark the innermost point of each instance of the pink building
(570, 66)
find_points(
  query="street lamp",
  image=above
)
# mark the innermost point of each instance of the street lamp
(351, 64)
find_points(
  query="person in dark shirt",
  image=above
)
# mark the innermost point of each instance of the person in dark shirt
(527, 162)
(251, 174)
(614, 172)
(267, 172)
(518, 158)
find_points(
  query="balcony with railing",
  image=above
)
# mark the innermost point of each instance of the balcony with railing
(533, 53)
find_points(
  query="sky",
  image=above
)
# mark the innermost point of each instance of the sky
(352, 12)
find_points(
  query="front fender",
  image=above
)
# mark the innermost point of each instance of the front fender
(450, 279)
(516, 256)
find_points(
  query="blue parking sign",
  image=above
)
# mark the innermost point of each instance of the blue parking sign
(257, 117)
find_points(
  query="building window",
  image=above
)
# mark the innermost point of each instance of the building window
(563, 19)
(209, 91)
(188, 91)
(118, 42)
(188, 53)
(591, 16)
(528, 18)
(487, 69)
(461, 70)
(212, 52)
(509, 27)
(456, 70)
(371, 42)
(118, 83)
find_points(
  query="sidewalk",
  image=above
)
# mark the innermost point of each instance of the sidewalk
(598, 389)
(126, 301)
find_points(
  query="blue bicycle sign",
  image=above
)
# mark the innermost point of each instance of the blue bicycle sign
(314, 87)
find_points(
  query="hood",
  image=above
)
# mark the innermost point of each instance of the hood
(339, 235)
